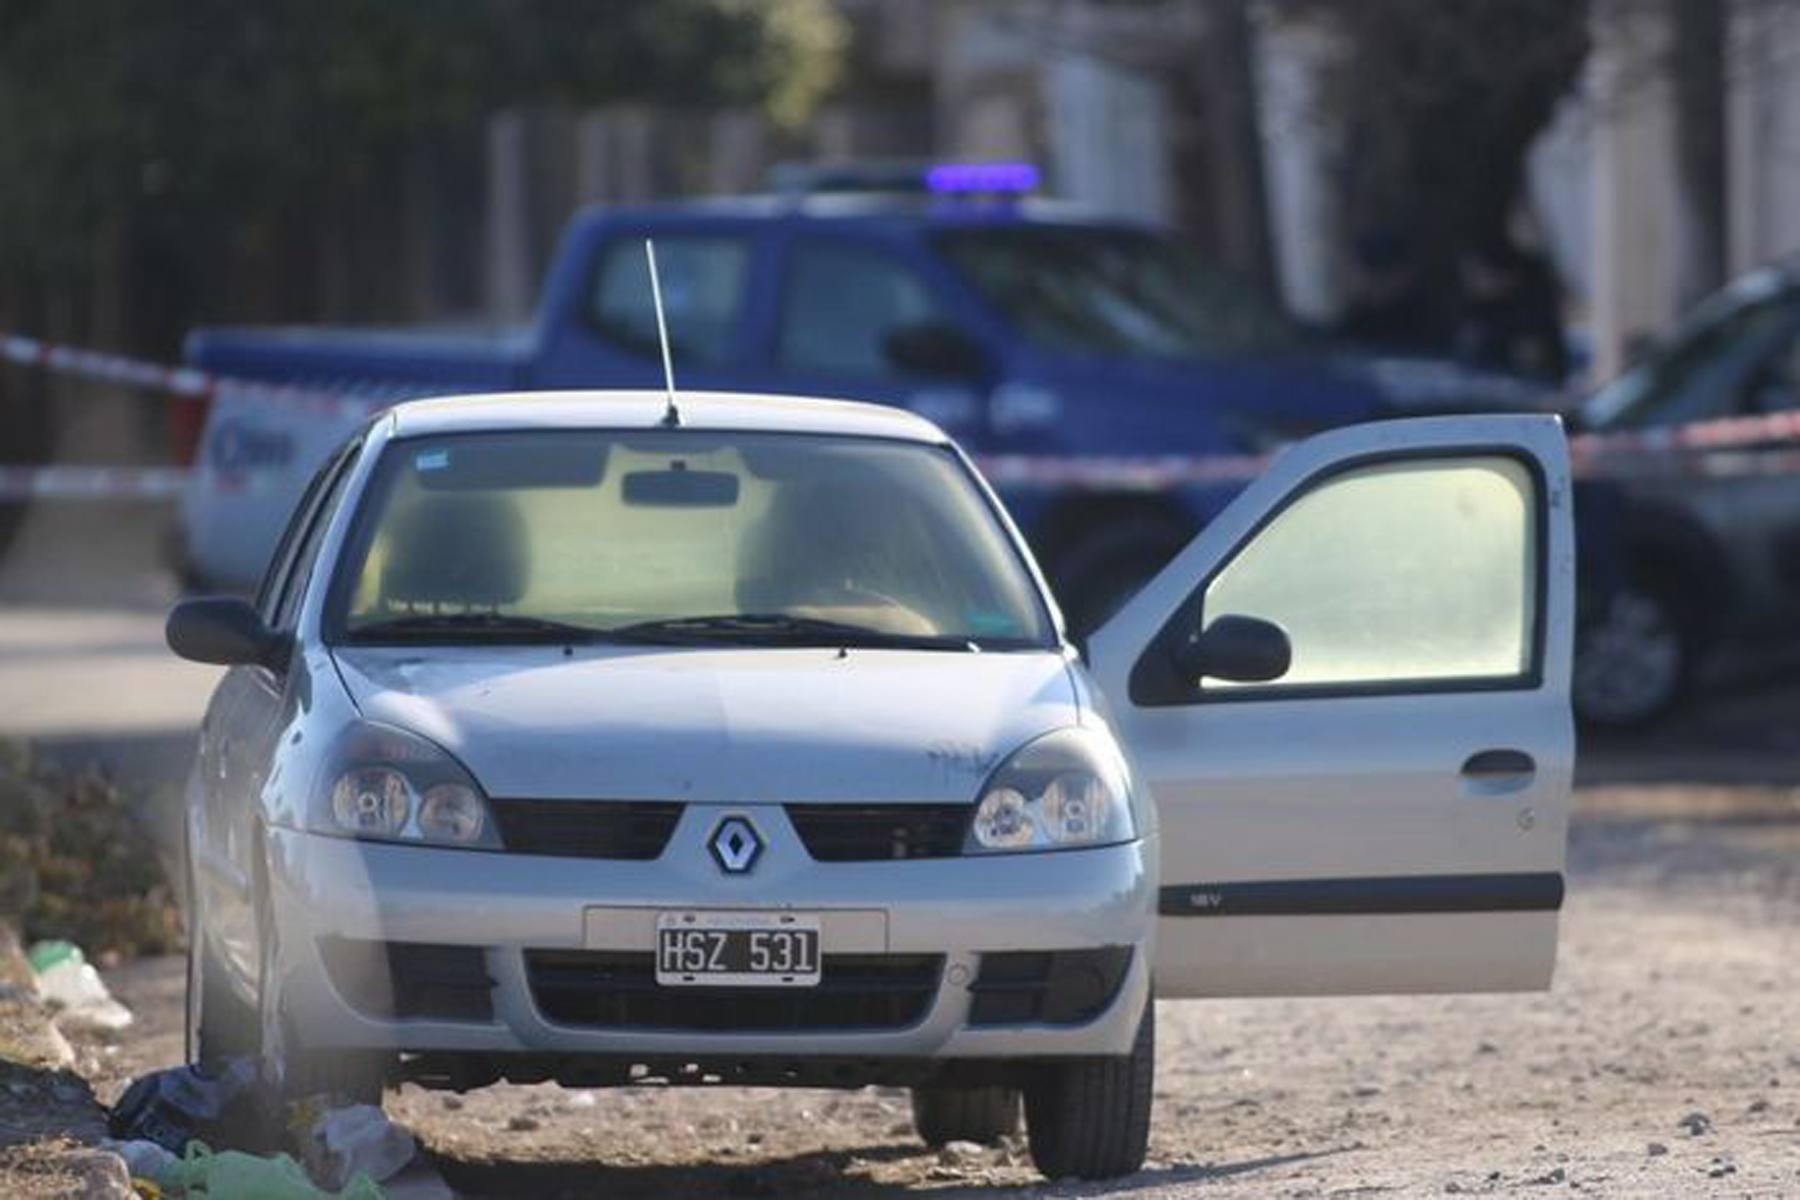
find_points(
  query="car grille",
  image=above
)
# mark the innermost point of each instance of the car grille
(618, 990)
(872, 832)
(627, 829)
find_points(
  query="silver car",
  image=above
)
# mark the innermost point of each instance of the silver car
(574, 739)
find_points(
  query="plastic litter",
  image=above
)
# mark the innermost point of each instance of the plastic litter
(143, 1158)
(356, 1139)
(171, 1108)
(67, 980)
(234, 1175)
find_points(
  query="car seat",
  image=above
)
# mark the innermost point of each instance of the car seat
(458, 552)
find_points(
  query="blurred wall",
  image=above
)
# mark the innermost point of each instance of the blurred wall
(1642, 218)
(1764, 132)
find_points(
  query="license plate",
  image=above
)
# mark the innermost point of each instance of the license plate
(725, 948)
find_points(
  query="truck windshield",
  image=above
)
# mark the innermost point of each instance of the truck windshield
(1116, 291)
(681, 536)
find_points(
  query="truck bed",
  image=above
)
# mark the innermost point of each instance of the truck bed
(363, 359)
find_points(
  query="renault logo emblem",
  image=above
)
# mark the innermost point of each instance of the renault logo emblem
(735, 846)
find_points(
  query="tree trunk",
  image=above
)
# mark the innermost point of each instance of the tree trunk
(1697, 65)
(1241, 197)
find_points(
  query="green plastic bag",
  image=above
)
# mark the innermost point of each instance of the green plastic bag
(234, 1175)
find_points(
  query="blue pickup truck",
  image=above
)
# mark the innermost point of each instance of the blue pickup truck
(1024, 328)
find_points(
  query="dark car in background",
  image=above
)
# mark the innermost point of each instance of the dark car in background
(1702, 546)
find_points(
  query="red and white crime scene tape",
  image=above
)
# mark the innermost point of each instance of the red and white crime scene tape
(92, 483)
(1766, 444)
(183, 383)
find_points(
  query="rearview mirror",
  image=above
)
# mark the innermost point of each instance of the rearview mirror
(935, 348)
(1236, 649)
(225, 631)
(679, 487)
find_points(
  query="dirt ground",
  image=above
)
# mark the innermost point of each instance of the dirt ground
(1665, 1062)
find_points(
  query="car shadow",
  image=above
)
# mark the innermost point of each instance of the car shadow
(825, 1172)
(1675, 852)
(1739, 730)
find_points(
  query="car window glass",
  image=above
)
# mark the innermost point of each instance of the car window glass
(268, 592)
(294, 587)
(1685, 377)
(1116, 291)
(1775, 385)
(841, 302)
(702, 280)
(1399, 572)
(885, 536)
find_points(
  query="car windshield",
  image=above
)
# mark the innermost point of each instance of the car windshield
(1116, 291)
(1658, 390)
(681, 536)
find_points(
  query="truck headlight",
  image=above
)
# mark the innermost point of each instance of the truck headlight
(1066, 789)
(386, 784)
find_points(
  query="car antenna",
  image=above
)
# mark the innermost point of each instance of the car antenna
(671, 415)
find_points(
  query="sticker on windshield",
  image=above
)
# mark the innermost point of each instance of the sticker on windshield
(431, 460)
(984, 622)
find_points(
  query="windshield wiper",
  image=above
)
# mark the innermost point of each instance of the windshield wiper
(472, 627)
(784, 629)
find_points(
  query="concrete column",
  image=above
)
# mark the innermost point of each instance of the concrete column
(1109, 134)
(1763, 133)
(1299, 145)
(1634, 181)
(508, 274)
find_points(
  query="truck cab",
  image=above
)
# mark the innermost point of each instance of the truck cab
(1035, 333)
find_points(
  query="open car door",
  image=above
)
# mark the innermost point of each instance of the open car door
(1349, 699)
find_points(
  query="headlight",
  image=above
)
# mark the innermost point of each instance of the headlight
(386, 784)
(1066, 789)
(371, 800)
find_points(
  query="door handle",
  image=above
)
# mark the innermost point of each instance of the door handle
(1497, 772)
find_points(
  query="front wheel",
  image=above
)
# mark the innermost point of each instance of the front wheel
(1090, 1118)
(290, 1069)
(220, 1026)
(965, 1114)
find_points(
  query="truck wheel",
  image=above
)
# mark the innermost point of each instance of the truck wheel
(1097, 576)
(965, 1114)
(1090, 1118)
(1633, 657)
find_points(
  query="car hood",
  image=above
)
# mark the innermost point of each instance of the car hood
(726, 725)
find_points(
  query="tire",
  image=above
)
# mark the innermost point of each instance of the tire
(1090, 1118)
(965, 1114)
(220, 1025)
(1633, 657)
(289, 1069)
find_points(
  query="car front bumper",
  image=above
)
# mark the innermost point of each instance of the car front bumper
(510, 911)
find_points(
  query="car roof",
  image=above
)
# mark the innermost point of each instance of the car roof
(645, 409)
(878, 208)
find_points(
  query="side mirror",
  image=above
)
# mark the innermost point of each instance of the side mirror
(1236, 649)
(223, 630)
(935, 348)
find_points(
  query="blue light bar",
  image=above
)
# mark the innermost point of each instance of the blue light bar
(945, 178)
